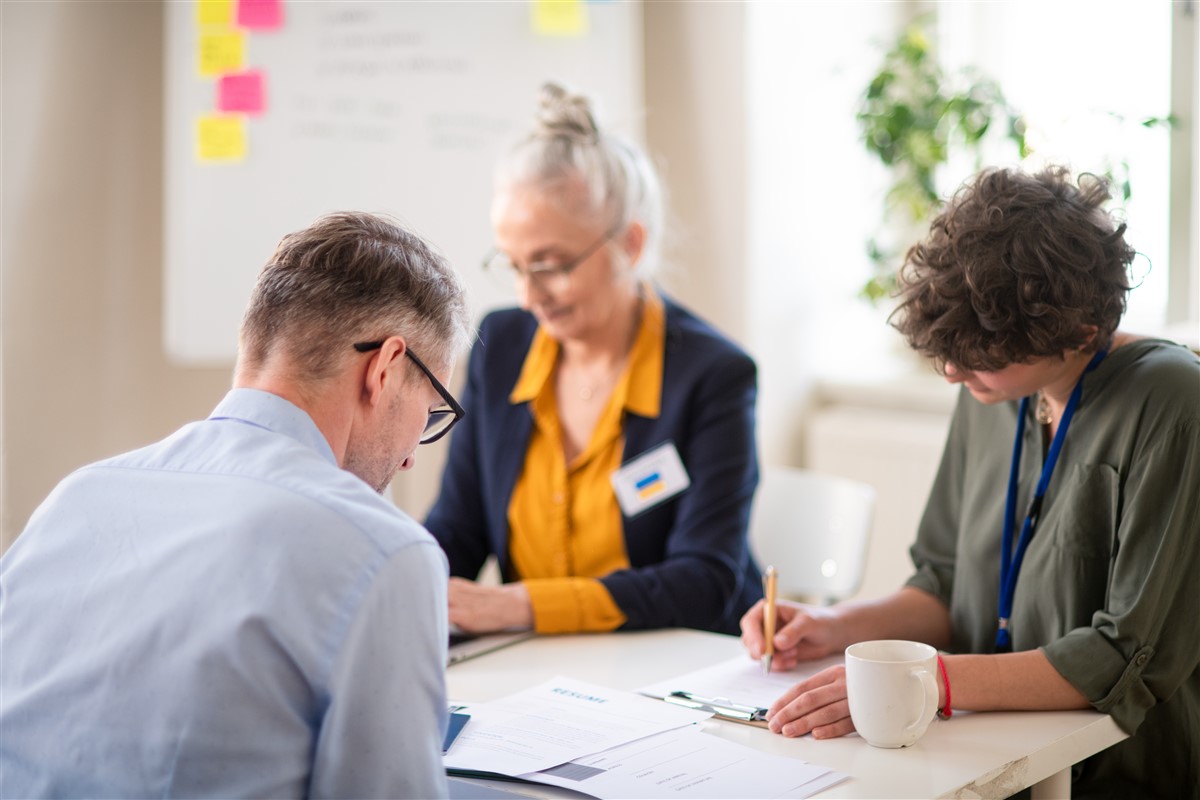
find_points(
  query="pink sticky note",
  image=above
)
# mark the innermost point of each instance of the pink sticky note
(263, 15)
(242, 91)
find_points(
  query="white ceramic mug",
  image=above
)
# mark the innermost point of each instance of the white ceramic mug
(892, 689)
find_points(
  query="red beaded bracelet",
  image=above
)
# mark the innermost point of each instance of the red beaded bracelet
(945, 711)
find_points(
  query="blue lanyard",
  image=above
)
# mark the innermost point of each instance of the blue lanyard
(1010, 566)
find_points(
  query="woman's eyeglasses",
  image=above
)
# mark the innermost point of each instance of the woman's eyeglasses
(551, 278)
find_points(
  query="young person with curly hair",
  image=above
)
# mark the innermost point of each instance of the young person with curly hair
(1058, 549)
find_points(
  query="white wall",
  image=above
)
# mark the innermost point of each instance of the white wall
(84, 374)
(812, 202)
(890, 437)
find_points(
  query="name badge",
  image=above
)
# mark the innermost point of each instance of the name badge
(649, 479)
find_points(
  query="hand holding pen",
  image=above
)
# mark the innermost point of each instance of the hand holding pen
(770, 581)
(799, 632)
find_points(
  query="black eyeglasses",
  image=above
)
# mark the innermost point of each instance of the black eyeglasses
(441, 420)
(546, 277)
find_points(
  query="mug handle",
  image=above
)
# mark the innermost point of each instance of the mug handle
(929, 708)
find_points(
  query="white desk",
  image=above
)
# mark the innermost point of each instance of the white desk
(969, 756)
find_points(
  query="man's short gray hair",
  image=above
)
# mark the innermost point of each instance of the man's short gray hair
(352, 277)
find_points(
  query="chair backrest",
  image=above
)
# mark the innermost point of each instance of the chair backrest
(813, 529)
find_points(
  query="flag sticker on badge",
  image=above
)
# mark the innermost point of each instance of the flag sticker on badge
(649, 479)
(649, 486)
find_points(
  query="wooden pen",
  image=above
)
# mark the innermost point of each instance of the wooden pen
(769, 580)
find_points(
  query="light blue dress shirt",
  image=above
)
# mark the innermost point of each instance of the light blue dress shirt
(225, 613)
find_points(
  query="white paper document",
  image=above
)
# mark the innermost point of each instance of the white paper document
(556, 722)
(687, 763)
(739, 680)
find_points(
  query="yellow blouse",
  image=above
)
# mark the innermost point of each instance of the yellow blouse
(565, 527)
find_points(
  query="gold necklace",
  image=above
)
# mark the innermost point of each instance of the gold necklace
(611, 375)
(1042, 413)
(587, 392)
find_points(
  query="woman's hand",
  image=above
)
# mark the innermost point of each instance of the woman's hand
(476, 608)
(802, 632)
(816, 705)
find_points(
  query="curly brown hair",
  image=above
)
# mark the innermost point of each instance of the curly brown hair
(1014, 268)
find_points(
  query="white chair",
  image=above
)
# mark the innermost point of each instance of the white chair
(813, 529)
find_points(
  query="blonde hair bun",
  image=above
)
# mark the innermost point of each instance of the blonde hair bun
(620, 185)
(566, 114)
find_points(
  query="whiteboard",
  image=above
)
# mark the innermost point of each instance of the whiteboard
(393, 107)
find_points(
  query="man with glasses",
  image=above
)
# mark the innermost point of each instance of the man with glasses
(235, 610)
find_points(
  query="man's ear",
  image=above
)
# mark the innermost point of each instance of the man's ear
(383, 368)
(1089, 331)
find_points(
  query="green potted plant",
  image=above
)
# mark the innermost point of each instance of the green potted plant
(914, 118)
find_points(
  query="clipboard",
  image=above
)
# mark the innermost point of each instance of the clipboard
(458, 721)
(721, 708)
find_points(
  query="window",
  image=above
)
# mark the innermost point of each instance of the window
(1084, 76)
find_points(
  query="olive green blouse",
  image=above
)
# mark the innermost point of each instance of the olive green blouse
(1110, 585)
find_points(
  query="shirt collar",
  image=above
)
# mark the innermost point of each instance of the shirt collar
(644, 394)
(273, 413)
(646, 359)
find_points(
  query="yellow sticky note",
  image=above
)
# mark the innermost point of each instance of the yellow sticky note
(214, 12)
(221, 138)
(559, 17)
(221, 52)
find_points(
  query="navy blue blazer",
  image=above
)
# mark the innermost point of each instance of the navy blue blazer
(690, 562)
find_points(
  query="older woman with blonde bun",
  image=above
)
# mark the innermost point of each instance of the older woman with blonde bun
(607, 459)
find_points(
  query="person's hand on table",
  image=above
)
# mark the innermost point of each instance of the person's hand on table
(817, 704)
(802, 633)
(476, 608)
